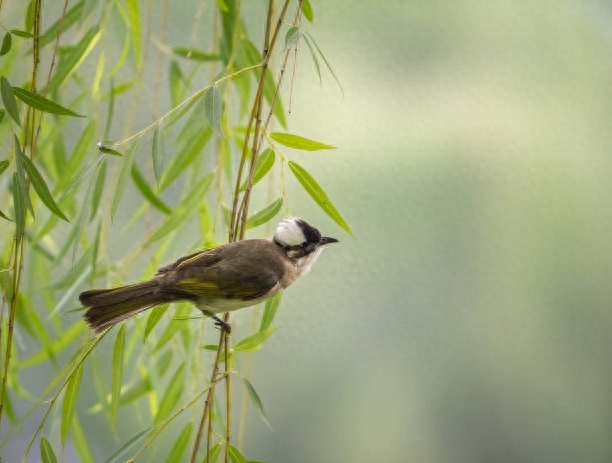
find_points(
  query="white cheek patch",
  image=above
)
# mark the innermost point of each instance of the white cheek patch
(306, 262)
(289, 232)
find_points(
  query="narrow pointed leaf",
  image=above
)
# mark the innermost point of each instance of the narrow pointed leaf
(270, 311)
(122, 180)
(21, 175)
(236, 456)
(193, 54)
(254, 341)
(70, 399)
(19, 202)
(329, 67)
(146, 191)
(134, 16)
(74, 14)
(317, 193)
(41, 103)
(256, 401)
(265, 215)
(171, 395)
(7, 41)
(74, 57)
(158, 153)
(299, 143)
(264, 163)
(8, 99)
(117, 374)
(120, 456)
(3, 166)
(307, 10)
(41, 188)
(154, 317)
(180, 443)
(47, 455)
(213, 109)
(315, 60)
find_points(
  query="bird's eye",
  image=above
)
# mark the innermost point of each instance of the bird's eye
(304, 244)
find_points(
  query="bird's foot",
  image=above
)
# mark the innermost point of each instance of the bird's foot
(221, 324)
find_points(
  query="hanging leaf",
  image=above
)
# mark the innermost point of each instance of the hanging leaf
(329, 67)
(291, 38)
(265, 215)
(8, 99)
(213, 109)
(157, 152)
(3, 165)
(41, 188)
(19, 202)
(264, 163)
(146, 191)
(236, 456)
(193, 54)
(253, 342)
(180, 443)
(70, 398)
(299, 143)
(117, 374)
(315, 60)
(270, 311)
(47, 455)
(307, 10)
(256, 401)
(43, 104)
(7, 41)
(317, 193)
(122, 180)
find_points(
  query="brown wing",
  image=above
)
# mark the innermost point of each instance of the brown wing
(244, 270)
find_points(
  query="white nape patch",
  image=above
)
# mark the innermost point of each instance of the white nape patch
(289, 233)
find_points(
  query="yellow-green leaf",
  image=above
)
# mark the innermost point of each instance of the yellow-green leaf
(265, 215)
(117, 374)
(213, 108)
(264, 163)
(254, 341)
(8, 99)
(317, 193)
(41, 103)
(193, 54)
(70, 398)
(47, 455)
(299, 143)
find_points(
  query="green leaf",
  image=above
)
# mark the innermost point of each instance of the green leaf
(41, 188)
(315, 60)
(299, 143)
(213, 108)
(329, 68)
(270, 311)
(117, 374)
(122, 180)
(317, 193)
(180, 444)
(74, 14)
(265, 215)
(81, 443)
(2, 113)
(171, 394)
(185, 208)
(235, 455)
(146, 191)
(193, 54)
(47, 455)
(120, 456)
(8, 99)
(108, 150)
(24, 34)
(253, 342)
(30, 14)
(19, 201)
(72, 59)
(264, 163)
(7, 41)
(133, 15)
(291, 38)
(158, 152)
(213, 454)
(155, 315)
(43, 104)
(70, 399)
(185, 157)
(175, 80)
(307, 10)
(3, 166)
(255, 400)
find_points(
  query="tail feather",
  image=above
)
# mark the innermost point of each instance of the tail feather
(110, 306)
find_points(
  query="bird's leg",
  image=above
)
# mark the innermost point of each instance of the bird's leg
(222, 325)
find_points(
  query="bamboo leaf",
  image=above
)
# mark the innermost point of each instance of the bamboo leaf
(185, 157)
(133, 15)
(253, 342)
(315, 60)
(180, 444)
(47, 455)
(81, 443)
(265, 215)
(41, 188)
(235, 455)
(299, 143)
(158, 152)
(3, 166)
(264, 163)
(213, 454)
(19, 202)
(117, 374)
(146, 191)
(70, 399)
(8, 99)
(317, 193)
(213, 107)
(74, 14)
(122, 180)
(270, 311)
(21, 176)
(155, 316)
(41, 103)
(329, 67)
(182, 212)
(120, 455)
(307, 10)
(20, 33)
(172, 394)
(74, 57)
(256, 401)
(7, 41)
(196, 55)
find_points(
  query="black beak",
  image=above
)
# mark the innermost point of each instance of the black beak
(327, 240)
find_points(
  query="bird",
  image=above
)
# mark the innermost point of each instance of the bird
(220, 279)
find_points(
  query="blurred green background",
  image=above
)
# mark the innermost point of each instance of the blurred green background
(469, 319)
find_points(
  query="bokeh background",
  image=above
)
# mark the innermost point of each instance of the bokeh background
(469, 318)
